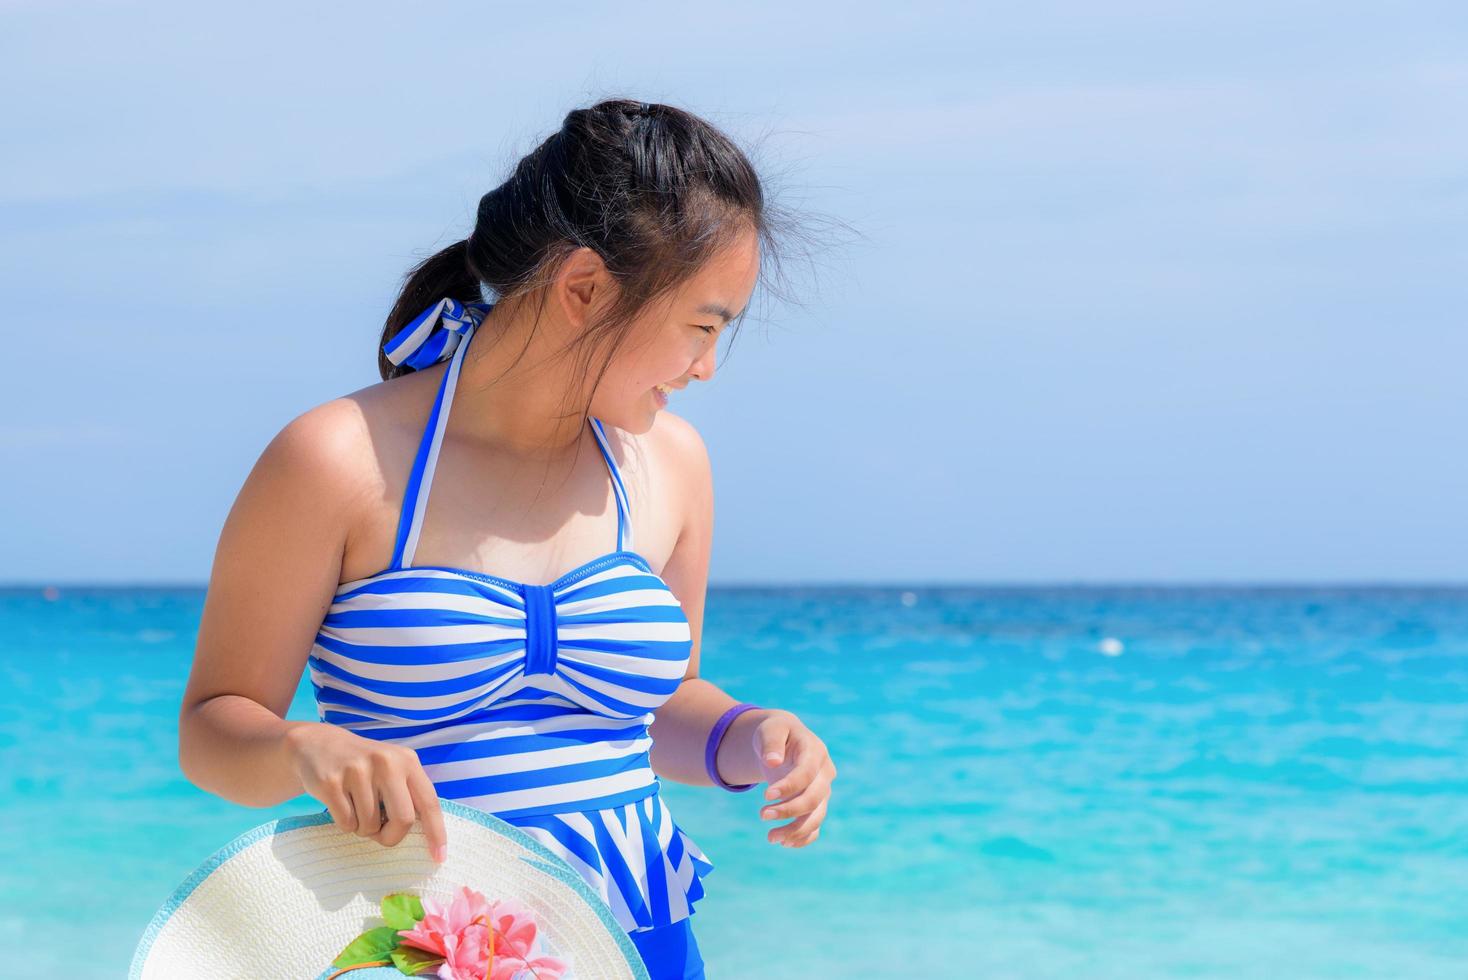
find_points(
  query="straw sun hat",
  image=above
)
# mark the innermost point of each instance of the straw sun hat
(284, 900)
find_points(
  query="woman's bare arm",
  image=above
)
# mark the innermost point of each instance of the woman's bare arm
(682, 724)
(274, 574)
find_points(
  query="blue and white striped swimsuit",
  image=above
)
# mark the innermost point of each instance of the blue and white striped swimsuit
(531, 702)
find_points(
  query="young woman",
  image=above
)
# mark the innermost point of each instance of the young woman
(493, 563)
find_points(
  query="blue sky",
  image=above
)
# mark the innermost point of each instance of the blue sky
(1146, 292)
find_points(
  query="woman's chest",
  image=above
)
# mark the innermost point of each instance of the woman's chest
(429, 644)
(523, 524)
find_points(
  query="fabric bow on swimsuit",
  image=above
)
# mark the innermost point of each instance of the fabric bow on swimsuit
(434, 334)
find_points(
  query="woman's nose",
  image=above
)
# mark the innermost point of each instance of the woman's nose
(703, 368)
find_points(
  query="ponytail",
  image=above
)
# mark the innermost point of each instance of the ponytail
(445, 273)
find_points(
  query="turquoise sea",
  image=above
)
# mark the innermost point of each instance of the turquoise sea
(1033, 782)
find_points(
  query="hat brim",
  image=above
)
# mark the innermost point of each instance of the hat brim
(283, 899)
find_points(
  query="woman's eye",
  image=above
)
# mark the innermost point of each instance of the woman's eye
(706, 328)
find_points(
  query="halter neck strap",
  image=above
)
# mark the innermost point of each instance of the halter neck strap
(420, 481)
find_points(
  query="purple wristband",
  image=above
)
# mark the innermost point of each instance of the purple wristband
(711, 751)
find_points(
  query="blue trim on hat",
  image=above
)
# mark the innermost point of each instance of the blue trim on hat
(552, 864)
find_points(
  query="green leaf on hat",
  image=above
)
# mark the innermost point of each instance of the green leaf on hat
(414, 961)
(372, 946)
(401, 910)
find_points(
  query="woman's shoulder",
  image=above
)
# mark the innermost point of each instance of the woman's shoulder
(679, 445)
(677, 465)
(338, 446)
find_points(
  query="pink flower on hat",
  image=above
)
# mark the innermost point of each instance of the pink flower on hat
(460, 933)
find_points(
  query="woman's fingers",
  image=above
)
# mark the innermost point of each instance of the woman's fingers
(425, 799)
(802, 830)
(409, 796)
(807, 761)
(398, 803)
(358, 782)
(339, 805)
(812, 778)
(802, 802)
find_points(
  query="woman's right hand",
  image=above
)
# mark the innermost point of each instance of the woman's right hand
(355, 776)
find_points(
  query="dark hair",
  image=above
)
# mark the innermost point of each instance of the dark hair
(654, 190)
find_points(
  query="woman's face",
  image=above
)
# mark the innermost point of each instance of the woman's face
(675, 343)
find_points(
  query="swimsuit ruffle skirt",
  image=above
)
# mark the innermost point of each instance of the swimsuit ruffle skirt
(530, 702)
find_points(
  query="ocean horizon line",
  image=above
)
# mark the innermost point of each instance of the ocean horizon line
(1012, 585)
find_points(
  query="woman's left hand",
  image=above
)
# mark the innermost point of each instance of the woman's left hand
(799, 771)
